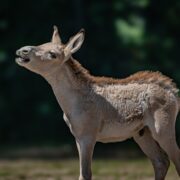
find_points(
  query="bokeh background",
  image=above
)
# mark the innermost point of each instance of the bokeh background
(122, 37)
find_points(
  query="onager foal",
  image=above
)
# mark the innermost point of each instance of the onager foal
(143, 106)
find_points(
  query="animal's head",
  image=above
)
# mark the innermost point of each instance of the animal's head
(41, 58)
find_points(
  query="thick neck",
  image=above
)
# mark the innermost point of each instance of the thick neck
(67, 85)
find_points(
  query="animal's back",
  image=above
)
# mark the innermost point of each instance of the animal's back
(143, 77)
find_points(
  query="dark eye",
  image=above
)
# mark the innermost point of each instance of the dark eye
(53, 55)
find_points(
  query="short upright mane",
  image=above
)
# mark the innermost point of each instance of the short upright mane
(142, 77)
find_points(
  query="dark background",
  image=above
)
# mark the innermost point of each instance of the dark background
(122, 37)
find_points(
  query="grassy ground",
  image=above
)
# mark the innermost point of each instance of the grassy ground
(140, 169)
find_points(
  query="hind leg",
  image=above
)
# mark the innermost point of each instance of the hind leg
(163, 131)
(157, 156)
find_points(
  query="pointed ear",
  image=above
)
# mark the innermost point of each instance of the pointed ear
(74, 43)
(56, 38)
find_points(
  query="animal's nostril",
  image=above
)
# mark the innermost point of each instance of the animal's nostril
(25, 51)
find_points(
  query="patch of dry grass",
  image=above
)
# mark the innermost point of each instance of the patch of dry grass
(139, 169)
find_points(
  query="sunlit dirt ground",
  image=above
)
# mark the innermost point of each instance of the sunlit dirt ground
(118, 169)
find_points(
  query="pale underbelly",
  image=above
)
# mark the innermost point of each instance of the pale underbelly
(116, 132)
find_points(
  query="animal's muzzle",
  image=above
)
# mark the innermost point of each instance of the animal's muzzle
(23, 54)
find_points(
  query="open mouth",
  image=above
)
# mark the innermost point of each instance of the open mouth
(21, 59)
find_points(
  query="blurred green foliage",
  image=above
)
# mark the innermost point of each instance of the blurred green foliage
(122, 37)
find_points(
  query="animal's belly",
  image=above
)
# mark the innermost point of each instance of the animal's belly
(114, 132)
